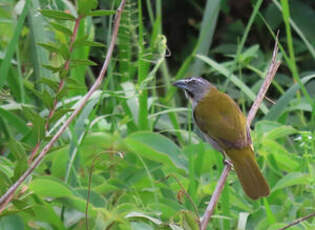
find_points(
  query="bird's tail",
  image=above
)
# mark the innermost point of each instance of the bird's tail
(248, 172)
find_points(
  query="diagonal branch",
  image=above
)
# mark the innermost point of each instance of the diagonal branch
(251, 115)
(297, 221)
(5, 199)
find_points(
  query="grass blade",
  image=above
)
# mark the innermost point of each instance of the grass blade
(4, 68)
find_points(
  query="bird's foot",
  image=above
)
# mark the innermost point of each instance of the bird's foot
(228, 162)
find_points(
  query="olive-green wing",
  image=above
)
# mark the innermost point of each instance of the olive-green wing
(218, 116)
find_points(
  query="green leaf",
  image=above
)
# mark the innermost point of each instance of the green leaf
(85, 6)
(101, 12)
(145, 216)
(6, 63)
(54, 69)
(56, 14)
(189, 220)
(52, 83)
(293, 178)
(61, 28)
(38, 123)
(157, 148)
(64, 51)
(279, 132)
(11, 222)
(14, 121)
(207, 28)
(284, 159)
(51, 47)
(80, 62)
(59, 113)
(87, 43)
(282, 104)
(47, 98)
(20, 156)
(46, 187)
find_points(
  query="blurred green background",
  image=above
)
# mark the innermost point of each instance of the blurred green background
(133, 153)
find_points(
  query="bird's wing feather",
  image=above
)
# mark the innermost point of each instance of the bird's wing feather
(218, 116)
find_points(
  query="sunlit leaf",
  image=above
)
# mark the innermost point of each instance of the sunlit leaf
(55, 14)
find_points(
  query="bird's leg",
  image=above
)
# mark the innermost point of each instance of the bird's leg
(226, 161)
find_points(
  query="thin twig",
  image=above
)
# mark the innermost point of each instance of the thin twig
(265, 86)
(251, 115)
(215, 197)
(185, 193)
(60, 87)
(37, 161)
(297, 221)
(89, 186)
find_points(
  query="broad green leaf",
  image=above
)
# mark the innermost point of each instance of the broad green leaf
(50, 46)
(85, 6)
(54, 69)
(53, 84)
(80, 62)
(6, 166)
(6, 63)
(207, 28)
(281, 105)
(38, 123)
(11, 222)
(14, 121)
(59, 15)
(96, 199)
(101, 12)
(80, 43)
(47, 187)
(283, 131)
(61, 28)
(145, 216)
(47, 98)
(293, 178)
(283, 158)
(59, 113)
(48, 215)
(157, 148)
(189, 221)
(19, 153)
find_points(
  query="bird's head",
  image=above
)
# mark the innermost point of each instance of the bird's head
(195, 88)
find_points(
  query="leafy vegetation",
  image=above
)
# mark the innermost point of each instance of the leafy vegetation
(133, 154)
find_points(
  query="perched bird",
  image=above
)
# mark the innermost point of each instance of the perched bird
(224, 127)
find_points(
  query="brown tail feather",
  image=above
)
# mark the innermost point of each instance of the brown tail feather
(248, 172)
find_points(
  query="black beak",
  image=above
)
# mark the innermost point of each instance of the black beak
(182, 84)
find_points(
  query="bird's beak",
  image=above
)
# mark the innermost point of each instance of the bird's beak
(181, 84)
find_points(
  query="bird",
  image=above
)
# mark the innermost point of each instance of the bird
(224, 126)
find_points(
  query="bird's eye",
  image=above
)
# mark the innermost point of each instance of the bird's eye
(189, 94)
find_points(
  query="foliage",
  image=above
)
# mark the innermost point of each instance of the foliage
(132, 153)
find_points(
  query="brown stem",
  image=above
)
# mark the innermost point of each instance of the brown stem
(265, 86)
(8, 195)
(215, 197)
(60, 87)
(298, 221)
(251, 115)
(30, 159)
(66, 66)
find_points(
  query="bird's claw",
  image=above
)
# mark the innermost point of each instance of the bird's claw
(228, 162)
